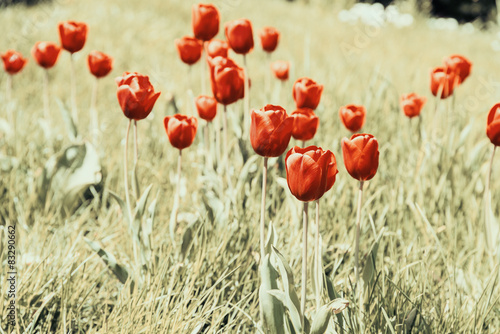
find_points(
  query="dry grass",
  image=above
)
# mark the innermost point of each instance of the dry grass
(427, 196)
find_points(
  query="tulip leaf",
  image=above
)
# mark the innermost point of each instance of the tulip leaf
(187, 238)
(123, 207)
(370, 269)
(272, 238)
(286, 276)
(135, 184)
(321, 320)
(68, 120)
(271, 308)
(292, 202)
(118, 270)
(317, 271)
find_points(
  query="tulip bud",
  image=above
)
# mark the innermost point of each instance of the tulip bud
(13, 62)
(73, 35)
(269, 37)
(181, 130)
(206, 107)
(100, 64)
(361, 156)
(442, 81)
(459, 65)
(307, 93)
(493, 125)
(227, 79)
(305, 124)
(136, 95)
(205, 21)
(45, 53)
(280, 69)
(216, 47)
(239, 35)
(353, 117)
(189, 49)
(270, 131)
(412, 104)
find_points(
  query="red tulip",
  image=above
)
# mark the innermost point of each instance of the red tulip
(136, 95)
(100, 64)
(442, 81)
(207, 107)
(412, 104)
(181, 130)
(189, 49)
(228, 80)
(239, 35)
(270, 131)
(307, 93)
(361, 156)
(310, 172)
(13, 61)
(46, 53)
(353, 117)
(493, 125)
(280, 69)
(205, 21)
(73, 35)
(216, 47)
(305, 124)
(269, 37)
(459, 65)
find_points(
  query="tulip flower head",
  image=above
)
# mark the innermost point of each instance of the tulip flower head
(493, 125)
(239, 35)
(216, 47)
(307, 93)
(305, 124)
(205, 21)
(73, 35)
(100, 64)
(361, 156)
(353, 117)
(136, 95)
(280, 69)
(189, 49)
(458, 65)
(443, 82)
(13, 61)
(46, 53)
(310, 172)
(412, 104)
(269, 38)
(270, 131)
(181, 130)
(227, 79)
(206, 107)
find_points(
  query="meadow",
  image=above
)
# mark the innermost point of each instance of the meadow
(423, 239)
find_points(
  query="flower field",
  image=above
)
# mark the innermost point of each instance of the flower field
(247, 167)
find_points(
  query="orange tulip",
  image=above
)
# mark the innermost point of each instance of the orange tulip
(73, 35)
(205, 21)
(239, 35)
(46, 53)
(206, 107)
(269, 37)
(305, 124)
(310, 172)
(280, 69)
(412, 104)
(181, 130)
(270, 131)
(13, 62)
(189, 49)
(361, 156)
(442, 81)
(459, 65)
(493, 125)
(307, 93)
(100, 64)
(228, 80)
(216, 47)
(353, 117)
(136, 95)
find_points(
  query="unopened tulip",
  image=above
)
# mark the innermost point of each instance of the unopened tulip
(307, 93)
(459, 65)
(280, 69)
(46, 53)
(73, 35)
(305, 124)
(493, 125)
(239, 35)
(412, 104)
(442, 81)
(310, 172)
(13, 61)
(100, 64)
(361, 156)
(269, 37)
(189, 49)
(270, 131)
(206, 107)
(136, 95)
(228, 80)
(205, 21)
(353, 116)
(216, 47)
(181, 130)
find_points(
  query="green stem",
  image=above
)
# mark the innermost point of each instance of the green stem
(262, 210)
(358, 229)
(125, 169)
(94, 123)
(46, 109)
(74, 111)
(487, 203)
(317, 268)
(304, 263)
